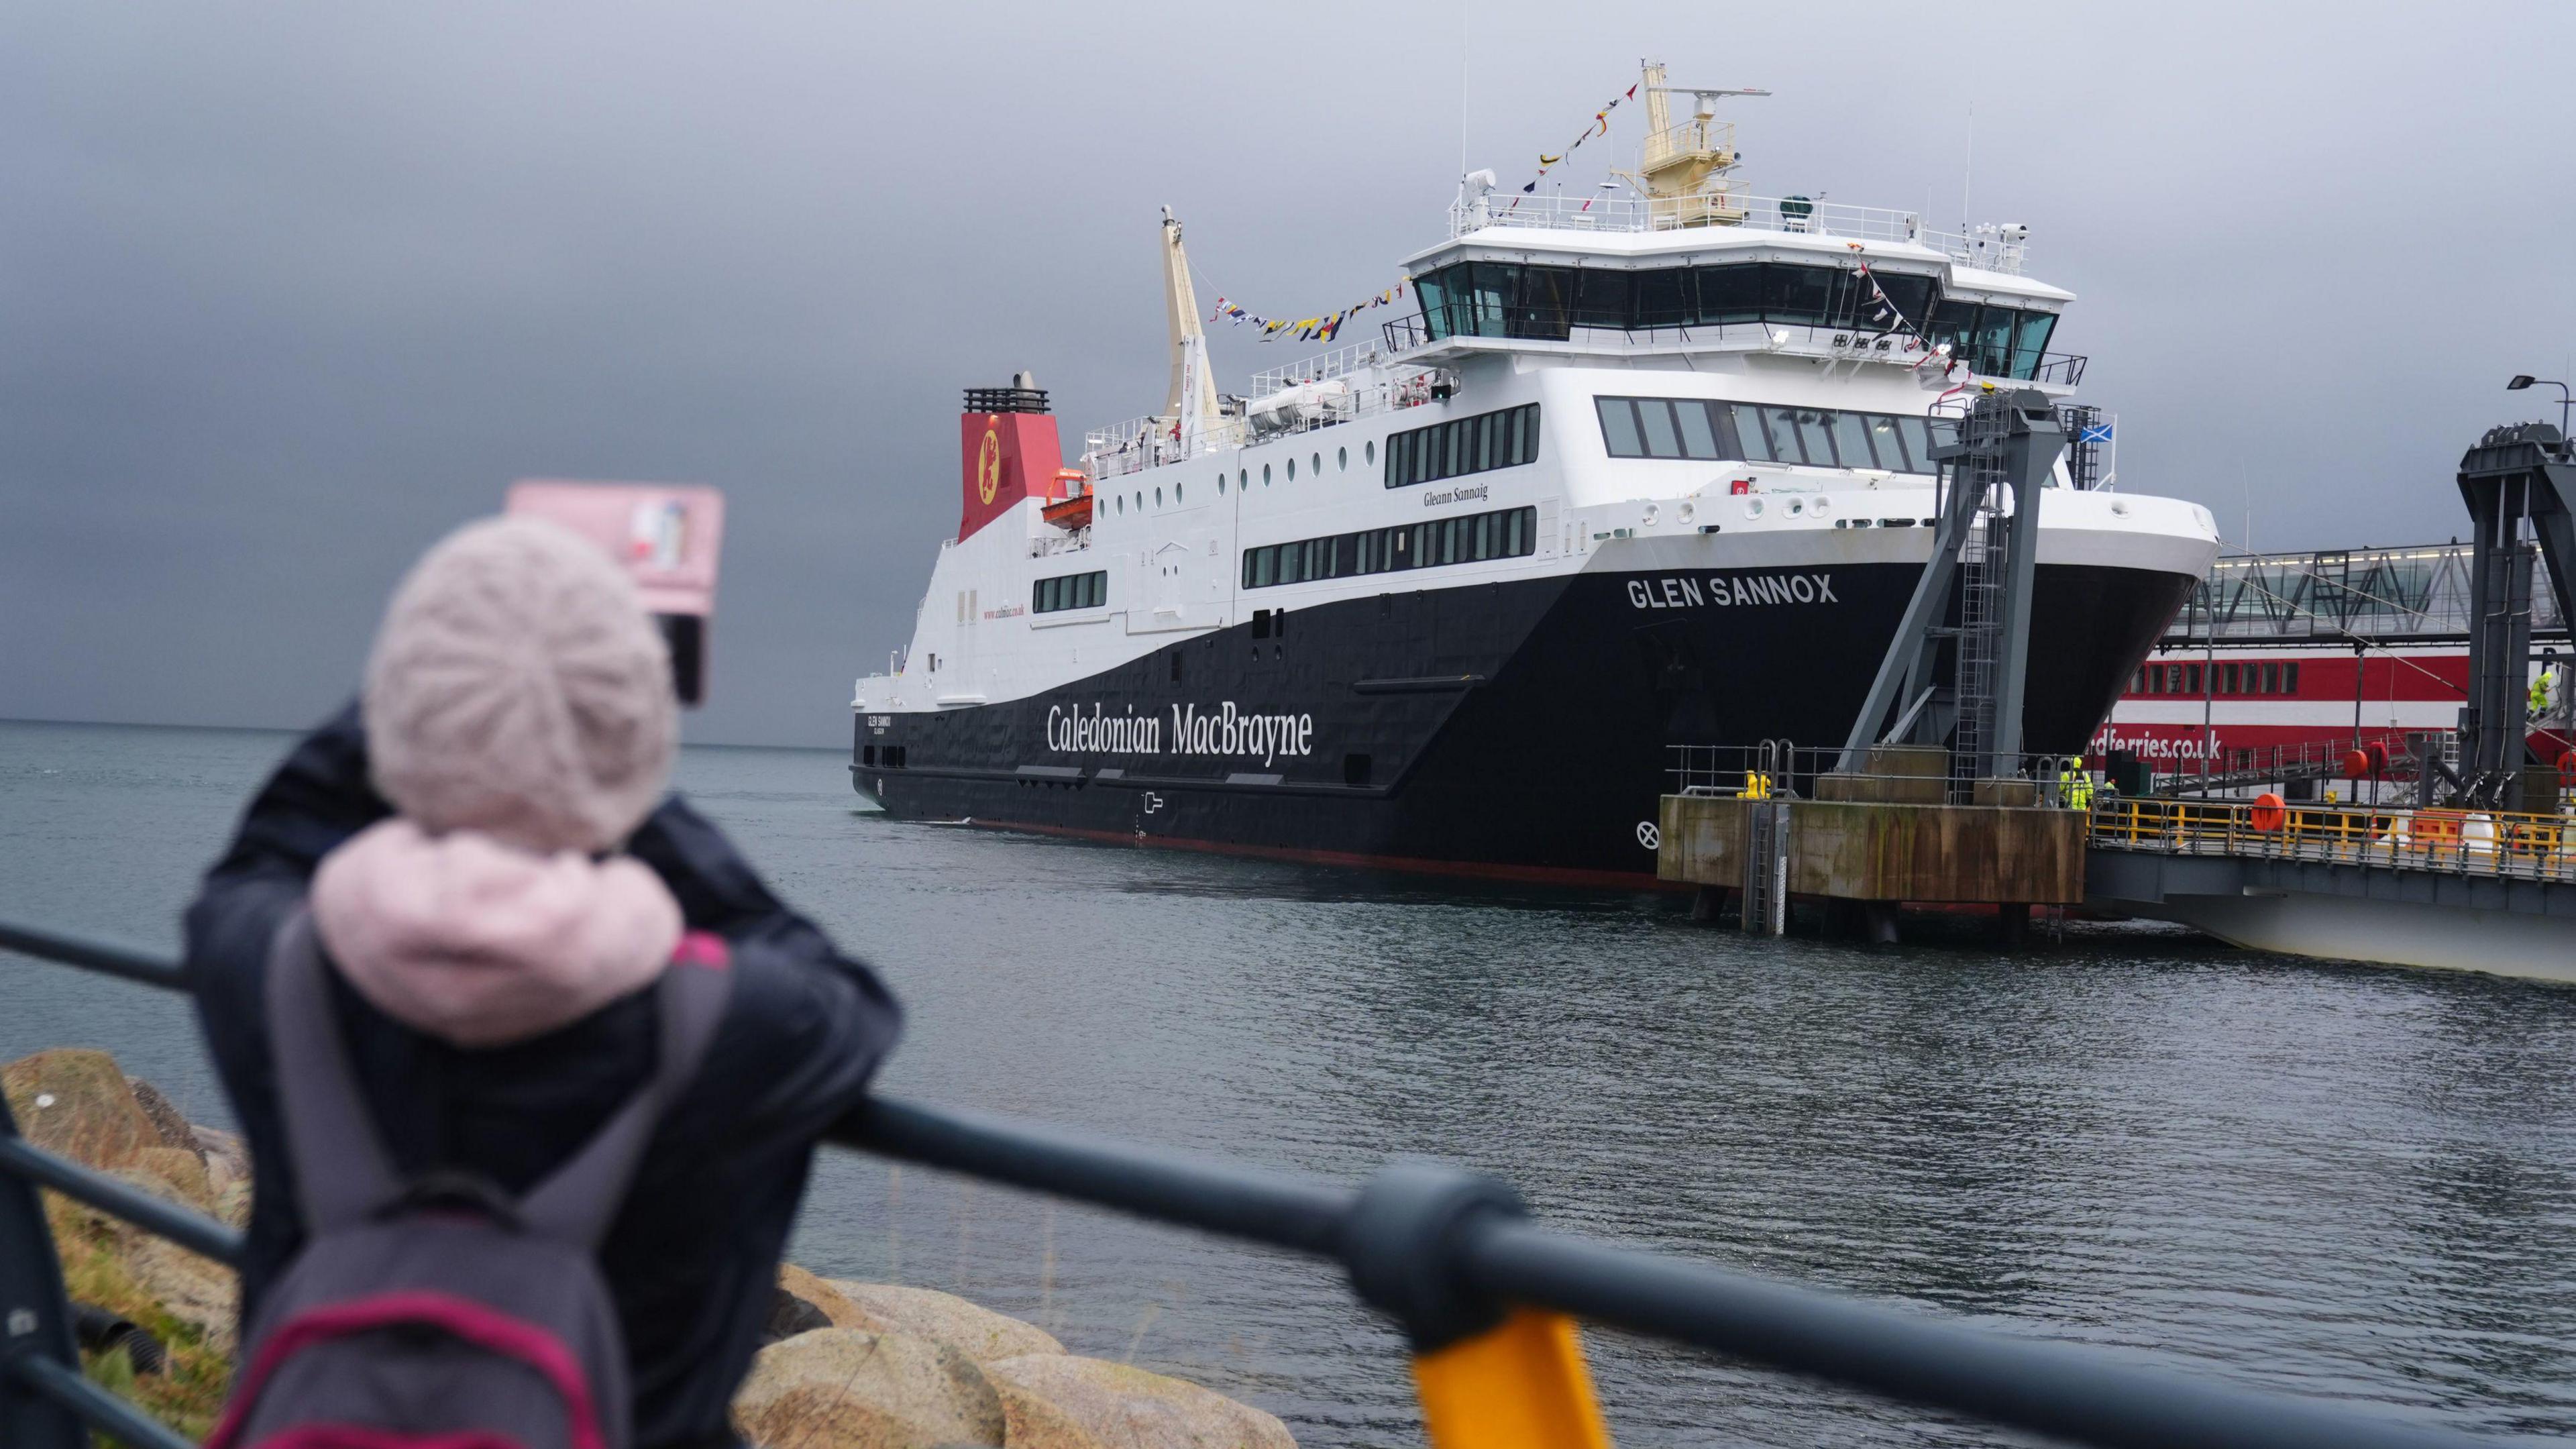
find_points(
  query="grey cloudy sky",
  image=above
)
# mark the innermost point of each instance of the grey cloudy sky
(288, 290)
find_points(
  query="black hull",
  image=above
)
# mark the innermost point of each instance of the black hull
(1511, 730)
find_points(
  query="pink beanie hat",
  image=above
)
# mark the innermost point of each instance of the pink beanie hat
(518, 688)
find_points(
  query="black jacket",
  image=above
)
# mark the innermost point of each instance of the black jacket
(692, 1258)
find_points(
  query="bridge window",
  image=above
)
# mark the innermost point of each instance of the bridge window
(1069, 591)
(1503, 299)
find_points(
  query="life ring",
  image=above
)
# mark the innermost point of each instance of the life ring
(2267, 814)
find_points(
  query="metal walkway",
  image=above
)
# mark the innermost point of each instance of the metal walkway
(2461, 889)
(2417, 595)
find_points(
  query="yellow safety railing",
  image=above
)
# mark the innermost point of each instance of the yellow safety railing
(2459, 840)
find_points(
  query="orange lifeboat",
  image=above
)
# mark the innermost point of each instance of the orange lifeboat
(1071, 509)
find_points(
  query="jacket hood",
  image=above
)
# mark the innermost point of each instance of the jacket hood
(481, 944)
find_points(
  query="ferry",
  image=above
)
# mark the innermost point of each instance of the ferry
(2321, 660)
(1628, 472)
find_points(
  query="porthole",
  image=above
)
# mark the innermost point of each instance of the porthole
(1824, 505)
(1315, 465)
(1242, 479)
(1688, 512)
(1265, 475)
(1797, 506)
(1176, 493)
(1370, 452)
(1122, 503)
(1140, 500)
(1158, 498)
(1650, 515)
(1753, 508)
(1220, 483)
(1341, 460)
(1292, 470)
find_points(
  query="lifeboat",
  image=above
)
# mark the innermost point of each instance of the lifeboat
(1073, 511)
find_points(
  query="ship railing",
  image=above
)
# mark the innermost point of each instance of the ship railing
(1150, 442)
(1322, 367)
(1796, 215)
(2494, 844)
(1464, 321)
(1488, 1300)
(1895, 775)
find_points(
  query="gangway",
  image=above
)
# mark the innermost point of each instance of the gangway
(2446, 887)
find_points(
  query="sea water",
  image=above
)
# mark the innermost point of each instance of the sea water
(2335, 1180)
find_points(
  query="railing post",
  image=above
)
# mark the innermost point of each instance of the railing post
(1488, 1378)
(35, 1322)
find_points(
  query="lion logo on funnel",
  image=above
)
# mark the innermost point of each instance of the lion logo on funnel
(988, 466)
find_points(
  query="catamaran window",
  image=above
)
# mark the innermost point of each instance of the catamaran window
(1071, 591)
(1504, 533)
(1478, 444)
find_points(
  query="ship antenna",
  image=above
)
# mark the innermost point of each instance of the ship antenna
(1463, 32)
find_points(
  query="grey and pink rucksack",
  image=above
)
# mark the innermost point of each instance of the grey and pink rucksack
(437, 1312)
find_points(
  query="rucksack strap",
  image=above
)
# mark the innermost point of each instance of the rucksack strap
(577, 1202)
(343, 1174)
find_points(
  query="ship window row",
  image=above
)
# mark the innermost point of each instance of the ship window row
(1503, 533)
(2240, 679)
(1479, 444)
(1658, 427)
(1509, 299)
(1071, 591)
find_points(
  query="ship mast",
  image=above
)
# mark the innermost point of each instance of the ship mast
(1682, 169)
(1189, 412)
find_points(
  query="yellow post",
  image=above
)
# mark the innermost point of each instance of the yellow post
(1518, 1385)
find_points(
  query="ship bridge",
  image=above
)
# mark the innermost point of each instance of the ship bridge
(1783, 275)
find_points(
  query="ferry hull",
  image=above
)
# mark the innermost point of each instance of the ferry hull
(1512, 730)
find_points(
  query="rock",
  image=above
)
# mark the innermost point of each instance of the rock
(227, 1156)
(979, 1333)
(789, 1316)
(848, 1388)
(194, 1290)
(74, 1102)
(165, 1118)
(822, 1297)
(1055, 1401)
(172, 1174)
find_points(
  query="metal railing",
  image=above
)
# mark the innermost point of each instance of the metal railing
(2497, 844)
(1322, 367)
(1796, 215)
(1777, 768)
(1992, 248)
(1469, 321)
(2386, 595)
(1487, 1299)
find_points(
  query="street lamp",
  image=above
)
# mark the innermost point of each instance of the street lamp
(2521, 380)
